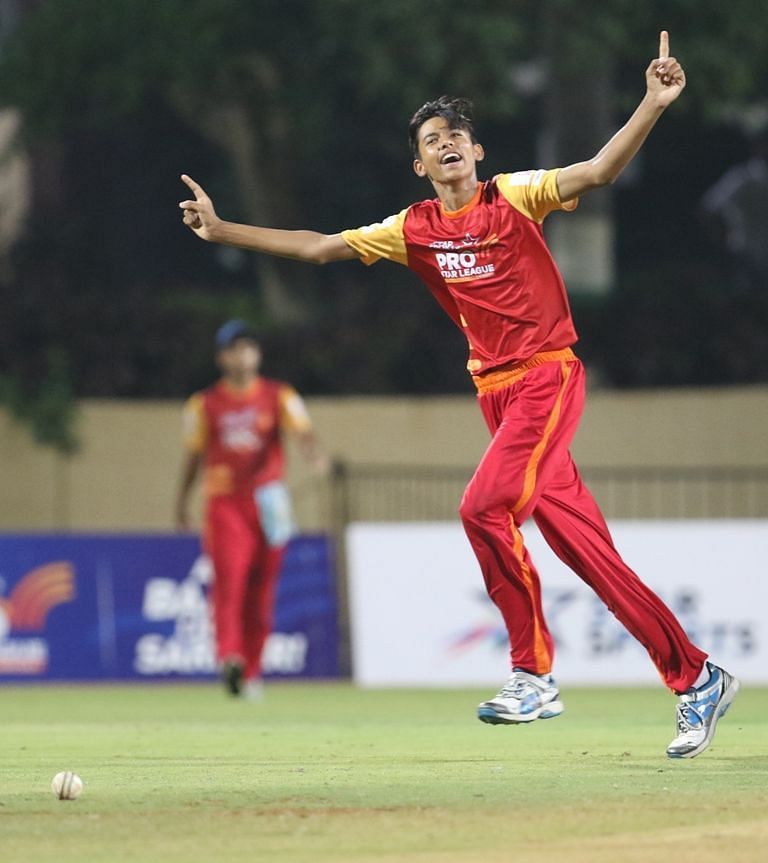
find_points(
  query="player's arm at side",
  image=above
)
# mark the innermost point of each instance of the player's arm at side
(195, 434)
(189, 470)
(665, 81)
(312, 452)
(294, 418)
(310, 246)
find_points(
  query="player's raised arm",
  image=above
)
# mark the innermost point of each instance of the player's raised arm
(665, 81)
(309, 246)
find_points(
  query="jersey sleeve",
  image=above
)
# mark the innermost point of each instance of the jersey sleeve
(294, 416)
(534, 193)
(194, 424)
(380, 240)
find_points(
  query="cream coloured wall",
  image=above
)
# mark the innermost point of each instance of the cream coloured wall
(681, 427)
(124, 476)
(30, 480)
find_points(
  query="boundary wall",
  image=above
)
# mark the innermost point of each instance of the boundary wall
(125, 475)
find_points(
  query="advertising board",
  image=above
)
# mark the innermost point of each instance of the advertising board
(83, 607)
(420, 614)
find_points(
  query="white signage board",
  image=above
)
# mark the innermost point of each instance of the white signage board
(420, 615)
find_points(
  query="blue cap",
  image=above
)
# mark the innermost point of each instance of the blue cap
(231, 331)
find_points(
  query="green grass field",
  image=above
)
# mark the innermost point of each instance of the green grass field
(321, 772)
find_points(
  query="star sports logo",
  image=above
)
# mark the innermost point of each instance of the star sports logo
(467, 243)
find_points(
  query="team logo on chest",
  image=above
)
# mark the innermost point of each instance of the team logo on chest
(465, 260)
(239, 430)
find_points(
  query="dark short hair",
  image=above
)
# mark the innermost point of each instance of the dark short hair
(455, 110)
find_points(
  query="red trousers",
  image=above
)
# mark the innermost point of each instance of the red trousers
(527, 471)
(246, 569)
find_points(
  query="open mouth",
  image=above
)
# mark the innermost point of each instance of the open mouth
(450, 159)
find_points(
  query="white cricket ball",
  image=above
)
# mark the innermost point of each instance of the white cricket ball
(67, 785)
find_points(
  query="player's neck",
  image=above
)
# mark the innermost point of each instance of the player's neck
(240, 383)
(454, 196)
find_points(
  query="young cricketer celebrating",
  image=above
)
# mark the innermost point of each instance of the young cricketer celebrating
(479, 248)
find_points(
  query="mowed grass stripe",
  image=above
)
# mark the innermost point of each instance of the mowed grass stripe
(326, 772)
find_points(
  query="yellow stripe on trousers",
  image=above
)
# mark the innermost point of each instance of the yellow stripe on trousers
(541, 653)
(529, 483)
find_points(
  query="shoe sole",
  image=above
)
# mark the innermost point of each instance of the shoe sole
(232, 675)
(725, 702)
(548, 711)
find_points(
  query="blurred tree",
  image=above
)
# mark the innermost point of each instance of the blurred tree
(118, 98)
(293, 113)
(263, 82)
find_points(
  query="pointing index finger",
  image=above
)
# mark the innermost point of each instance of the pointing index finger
(195, 187)
(663, 45)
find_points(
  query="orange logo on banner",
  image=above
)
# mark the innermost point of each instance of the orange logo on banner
(40, 590)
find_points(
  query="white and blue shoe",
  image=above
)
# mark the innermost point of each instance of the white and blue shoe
(699, 710)
(523, 698)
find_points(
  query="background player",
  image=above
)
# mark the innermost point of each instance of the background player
(479, 248)
(234, 431)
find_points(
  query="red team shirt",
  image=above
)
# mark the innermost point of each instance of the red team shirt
(486, 264)
(489, 268)
(240, 433)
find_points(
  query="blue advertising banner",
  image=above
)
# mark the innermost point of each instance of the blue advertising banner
(80, 607)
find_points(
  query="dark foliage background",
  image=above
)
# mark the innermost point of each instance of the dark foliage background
(294, 114)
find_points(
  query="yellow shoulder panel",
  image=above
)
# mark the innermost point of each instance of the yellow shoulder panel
(534, 193)
(380, 240)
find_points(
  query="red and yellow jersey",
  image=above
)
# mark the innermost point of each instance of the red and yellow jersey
(487, 265)
(239, 433)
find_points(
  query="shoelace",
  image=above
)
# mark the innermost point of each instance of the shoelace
(517, 687)
(688, 718)
(513, 689)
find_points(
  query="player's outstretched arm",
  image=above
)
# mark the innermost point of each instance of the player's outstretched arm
(310, 246)
(665, 81)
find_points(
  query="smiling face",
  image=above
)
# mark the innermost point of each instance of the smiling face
(446, 155)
